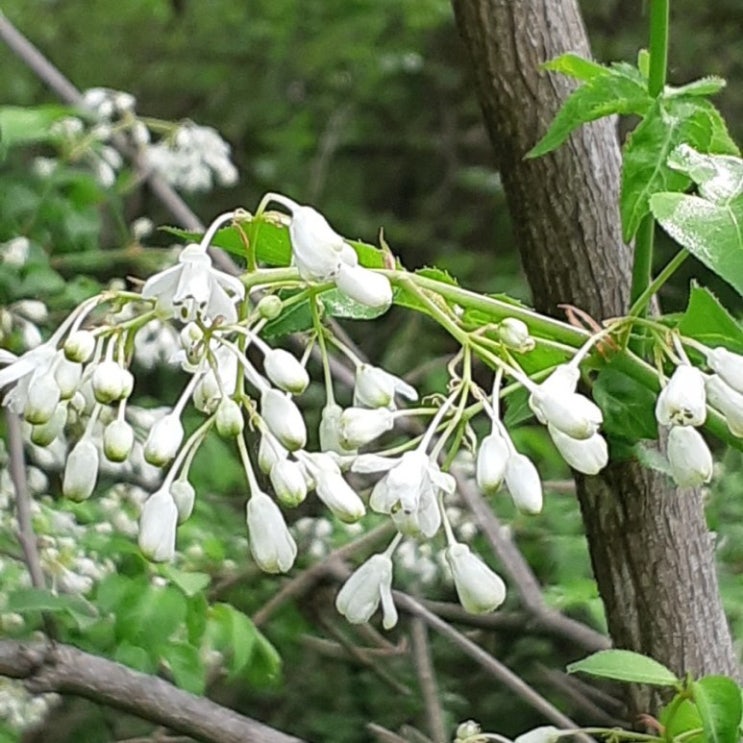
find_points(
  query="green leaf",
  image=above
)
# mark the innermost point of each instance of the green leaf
(711, 232)
(185, 664)
(685, 718)
(149, 617)
(196, 618)
(21, 125)
(705, 86)
(575, 66)
(625, 665)
(628, 406)
(134, 657)
(25, 600)
(293, 320)
(337, 304)
(233, 634)
(265, 667)
(189, 583)
(719, 177)
(718, 700)
(619, 90)
(707, 321)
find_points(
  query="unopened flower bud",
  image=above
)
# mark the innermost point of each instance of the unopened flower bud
(682, 402)
(127, 383)
(118, 440)
(44, 434)
(108, 382)
(333, 490)
(480, 590)
(229, 418)
(514, 333)
(727, 401)
(467, 731)
(689, 457)
(359, 426)
(79, 346)
(588, 456)
(364, 286)
(376, 388)
(491, 463)
(316, 247)
(67, 375)
(288, 482)
(728, 365)
(269, 307)
(570, 412)
(361, 594)
(524, 485)
(283, 369)
(81, 470)
(270, 451)
(184, 496)
(157, 526)
(43, 399)
(164, 440)
(272, 546)
(543, 734)
(283, 419)
(330, 433)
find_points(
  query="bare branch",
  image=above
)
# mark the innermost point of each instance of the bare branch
(427, 680)
(66, 670)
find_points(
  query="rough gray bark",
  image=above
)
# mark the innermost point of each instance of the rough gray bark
(652, 554)
(67, 670)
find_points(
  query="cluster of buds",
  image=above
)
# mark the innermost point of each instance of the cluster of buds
(80, 382)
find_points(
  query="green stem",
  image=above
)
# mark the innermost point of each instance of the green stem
(659, 16)
(641, 303)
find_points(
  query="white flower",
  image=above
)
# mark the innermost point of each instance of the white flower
(514, 333)
(588, 456)
(229, 418)
(288, 482)
(491, 463)
(79, 346)
(270, 451)
(359, 426)
(67, 375)
(81, 470)
(46, 433)
(556, 402)
(164, 440)
(689, 457)
(271, 544)
(728, 365)
(42, 398)
(25, 371)
(283, 419)
(682, 401)
(283, 369)
(361, 594)
(544, 734)
(118, 440)
(524, 485)
(728, 401)
(376, 388)
(480, 590)
(330, 435)
(157, 526)
(109, 382)
(194, 288)
(184, 496)
(364, 286)
(208, 393)
(332, 489)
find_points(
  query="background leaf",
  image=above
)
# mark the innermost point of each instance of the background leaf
(624, 665)
(718, 700)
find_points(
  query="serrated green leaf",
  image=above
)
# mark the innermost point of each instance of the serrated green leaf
(575, 66)
(625, 665)
(707, 321)
(710, 232)
(708, 85)
(628, 406)
(296, 319)
(233, 634)
(684, 718)
(338, 304)
(619, 90)
(190, 583)
(718, 700)
(719, 178)
(186, 666)
(148, 618)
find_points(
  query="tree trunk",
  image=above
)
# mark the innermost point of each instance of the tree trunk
(652, 555)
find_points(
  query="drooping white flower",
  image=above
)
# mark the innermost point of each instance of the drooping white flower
(288, 482)
(543, 734)
(359, 426)
(285, 371)
(270, 451)
(67, 375)
(81, 470)
(728, 401)
(364, 286)
(331, 487)
(184, 496)
(689, 457)
(523, 483)
(164, 440)
(555, 402)
(42, 399)
(492, 457)
(46, 433)
(79, 346)
(283, 419)
(728, 365)
(330, 433)
(588, 456)
(361, 594)
(682, 402)
(480, 590)
(376, 388)
(118, 440)
(157, 526)
(25, 371)
(272, 546)
(109, 382)
(229, 418)
(194, 288)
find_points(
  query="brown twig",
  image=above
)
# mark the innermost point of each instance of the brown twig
(427, 680)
